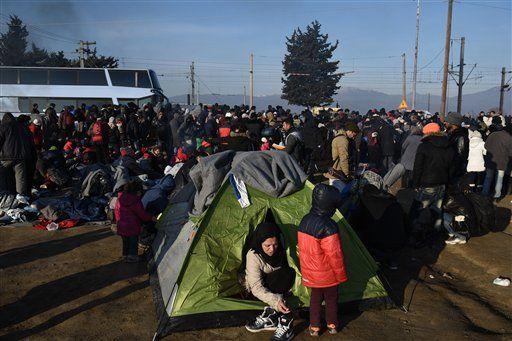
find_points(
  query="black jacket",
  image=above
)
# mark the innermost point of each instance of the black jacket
(459, 141)
(294, 145)
(16, 142)
(434, 162)
(386, 138)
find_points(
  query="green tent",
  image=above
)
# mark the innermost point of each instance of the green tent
(197, 260)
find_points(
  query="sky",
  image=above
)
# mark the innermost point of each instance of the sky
(219, 36)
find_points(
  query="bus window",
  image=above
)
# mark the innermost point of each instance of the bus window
(33, 76)
(91, 77)
(143, 80)
(122, 77)
(154, 80)
(8, 76)
(126, 101)
(143, 101)
(63, 77)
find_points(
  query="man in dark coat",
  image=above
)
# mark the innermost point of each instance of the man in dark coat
(459, 140)
(433, 170)
(499, 152)
(386, 139)
(294, 144)
(16, 152)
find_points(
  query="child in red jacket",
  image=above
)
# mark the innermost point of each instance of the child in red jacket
(130, 214)
(321, 257)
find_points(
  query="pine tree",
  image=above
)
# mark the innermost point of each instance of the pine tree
(13, 43)
(310, 78)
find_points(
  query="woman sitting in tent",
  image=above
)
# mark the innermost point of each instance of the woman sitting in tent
(269, 278)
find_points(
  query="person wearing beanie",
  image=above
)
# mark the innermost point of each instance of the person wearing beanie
(459, 140)
(433, 169)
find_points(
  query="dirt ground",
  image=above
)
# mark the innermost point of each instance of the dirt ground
(71, 285)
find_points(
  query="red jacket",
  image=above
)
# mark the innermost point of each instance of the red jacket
(129, 214)
(37, 133)
(321, 261)
(319, 244)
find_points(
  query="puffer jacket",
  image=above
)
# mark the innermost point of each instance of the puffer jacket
(130, 214)
(319, 244)
(477, 151)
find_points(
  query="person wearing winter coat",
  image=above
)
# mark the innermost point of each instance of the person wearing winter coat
(37, 133)
(404, 168)
(294, 144)
(433, 169)
(386, 140)
(269, 278)
(476, 162)
(341, 152)
(130, 214)
(458, 138)
(321, 257)
(17, 152)
(499, 152)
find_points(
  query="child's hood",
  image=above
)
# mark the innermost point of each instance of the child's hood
(127, 199)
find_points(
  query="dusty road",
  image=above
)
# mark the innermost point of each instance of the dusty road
(71, 285)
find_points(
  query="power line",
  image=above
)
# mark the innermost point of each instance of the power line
(482, 5)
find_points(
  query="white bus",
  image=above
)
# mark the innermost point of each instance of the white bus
(21, 87)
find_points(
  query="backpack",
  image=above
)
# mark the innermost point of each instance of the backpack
(484, 210)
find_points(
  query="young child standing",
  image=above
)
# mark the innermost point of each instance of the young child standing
(130, 214)
(321, 258)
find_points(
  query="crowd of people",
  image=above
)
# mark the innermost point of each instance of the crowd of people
(436, 156)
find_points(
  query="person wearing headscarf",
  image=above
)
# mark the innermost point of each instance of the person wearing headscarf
(269, 278)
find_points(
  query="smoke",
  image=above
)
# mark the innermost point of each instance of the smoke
(59, 21)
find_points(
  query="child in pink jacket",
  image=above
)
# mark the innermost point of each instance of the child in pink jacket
(130, 214)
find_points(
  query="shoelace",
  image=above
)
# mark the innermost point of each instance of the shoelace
(260, 320)
(280, 331)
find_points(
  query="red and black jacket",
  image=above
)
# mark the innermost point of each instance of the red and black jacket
(320, 252)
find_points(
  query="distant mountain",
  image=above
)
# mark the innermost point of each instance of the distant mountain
(362, 100)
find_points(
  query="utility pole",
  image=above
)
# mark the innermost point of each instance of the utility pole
(504, 87)
(83, 49)
(428, 103)
(461, 75)
(404, 89)
(244, 95)
(446, 58)
(251, 85)
(193, 84)
(415, 74)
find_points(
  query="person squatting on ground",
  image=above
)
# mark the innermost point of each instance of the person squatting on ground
(269, 278)
(130, 214)
(321, 258)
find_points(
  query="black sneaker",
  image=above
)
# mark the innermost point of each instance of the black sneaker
(266, 321)
(284, 331)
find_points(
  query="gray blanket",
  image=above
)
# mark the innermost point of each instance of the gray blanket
(273, 172)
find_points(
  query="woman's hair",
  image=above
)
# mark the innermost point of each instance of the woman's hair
(132, 187)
